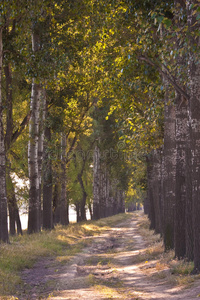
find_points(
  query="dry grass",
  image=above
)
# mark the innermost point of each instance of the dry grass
(62, 243)
(176, 272)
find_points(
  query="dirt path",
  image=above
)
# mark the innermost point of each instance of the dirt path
(112, 267)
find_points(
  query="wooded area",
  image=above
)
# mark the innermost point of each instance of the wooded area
(100, 108)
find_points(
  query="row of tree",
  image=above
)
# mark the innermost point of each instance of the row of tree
(108, 81)
(173, 169)
(49, 110)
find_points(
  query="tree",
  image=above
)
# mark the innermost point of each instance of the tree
(3, 197)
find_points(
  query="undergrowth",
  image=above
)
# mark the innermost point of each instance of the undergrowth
(176, 272)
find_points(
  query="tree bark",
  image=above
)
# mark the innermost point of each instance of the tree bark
(194, 108)
(96, 183)
(64, 213)
(42, 116)
(169, 153)
(3, 196)
(34, 201)
(180, 199)
(83, 200)
(47, 183)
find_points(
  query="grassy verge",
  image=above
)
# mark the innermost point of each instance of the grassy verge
(176, 272)
(62, 243)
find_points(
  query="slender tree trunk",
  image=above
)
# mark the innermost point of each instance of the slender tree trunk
(78, 215)
(169, 175)
(194, 108)
(90, 210)
(56, 202)
(64, 218)
(17, 219)
(151, 214)
(188, 209)
(11, 203)
(9, 105)
(83, 200)
(3, 197)
(47, 182)
(96, 183)
(42, 114)
(180, 202)
(156, 188)
(34, 201)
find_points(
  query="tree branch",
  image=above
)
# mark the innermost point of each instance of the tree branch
(21, 127)
(166, 74)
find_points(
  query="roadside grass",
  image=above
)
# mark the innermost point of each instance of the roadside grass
(176, 272)
(62, 243)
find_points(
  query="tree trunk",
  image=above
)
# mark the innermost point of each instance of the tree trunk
(78, 215)
(42, 115)
(64, 218)
(169, 153)
(47, 183)
(180, 202)
(188, 209)
(56, 202)
(83, 200)
(9, 106)
(17, 220)
(194, 108)
(151, 214)
(96, 183)
(156, 188)
(34, 201)
(3, 197)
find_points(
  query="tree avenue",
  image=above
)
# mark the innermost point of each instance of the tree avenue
(100, 110)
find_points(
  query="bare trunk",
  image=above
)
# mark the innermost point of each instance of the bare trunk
(180, 202)
(169, 153)
(64, 218)
(188, 209)
(194, 108)
(151, 213)
(96, 184)
(3, 197)
(56, 202)
(47, 183)
(34, 201)
(42, 113)
(156, 188)
(83, 200)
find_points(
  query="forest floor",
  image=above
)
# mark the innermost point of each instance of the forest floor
(125, 262)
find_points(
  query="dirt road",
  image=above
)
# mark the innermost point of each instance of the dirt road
(114, 266)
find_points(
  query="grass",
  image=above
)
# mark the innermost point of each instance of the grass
(62, 243)
(176, 272)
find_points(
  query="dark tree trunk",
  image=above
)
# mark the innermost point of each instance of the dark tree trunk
(47, 183)
(18, 221)
(194, 108)
(64, 212)
(34, 201)
(56, 202)
(151, 214)
(78, 214)
(83, 200)
(90, 210)
(188, 208)
(3, 196)
(156, 188)
(96, 183)
(180, 202)
(169, 153)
